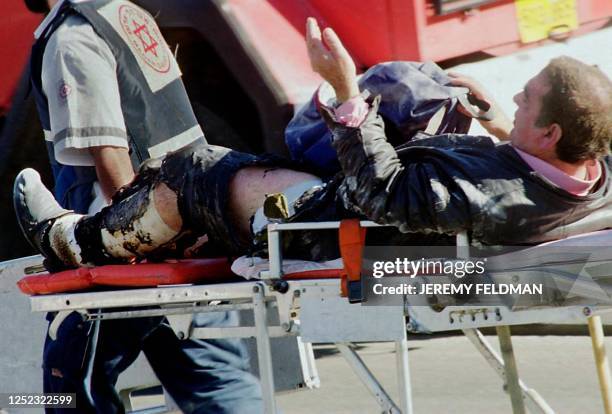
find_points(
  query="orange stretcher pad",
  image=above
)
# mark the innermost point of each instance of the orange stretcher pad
(187, 271)
(130, 275)
(146, 275)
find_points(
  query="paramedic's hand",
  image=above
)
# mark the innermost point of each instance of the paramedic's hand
(501, 125)
(329, 58)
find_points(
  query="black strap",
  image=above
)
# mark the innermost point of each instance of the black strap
(477, 108)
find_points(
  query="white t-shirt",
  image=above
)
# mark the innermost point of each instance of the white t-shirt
(80, 82)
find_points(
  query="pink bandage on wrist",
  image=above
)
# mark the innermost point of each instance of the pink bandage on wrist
(352, 112)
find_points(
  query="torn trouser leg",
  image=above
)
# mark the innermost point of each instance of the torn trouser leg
(131, 227)
(201, 178)
(199, 175)
(128, 229)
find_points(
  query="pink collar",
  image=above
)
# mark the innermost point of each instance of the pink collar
(560, 178)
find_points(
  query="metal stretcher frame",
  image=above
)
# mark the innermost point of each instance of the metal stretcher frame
(505, 365)
(304, 308)
(178, 303)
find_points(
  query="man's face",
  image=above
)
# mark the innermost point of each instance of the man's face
(525, 135)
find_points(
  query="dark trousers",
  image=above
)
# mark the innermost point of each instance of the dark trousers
(201, 376)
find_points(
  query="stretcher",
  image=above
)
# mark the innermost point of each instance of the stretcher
(316, 307)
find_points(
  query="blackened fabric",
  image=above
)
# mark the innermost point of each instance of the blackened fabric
(201, 176)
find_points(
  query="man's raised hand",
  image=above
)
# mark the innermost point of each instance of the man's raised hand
(330, 59)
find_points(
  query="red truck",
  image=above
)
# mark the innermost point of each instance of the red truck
(245, 64)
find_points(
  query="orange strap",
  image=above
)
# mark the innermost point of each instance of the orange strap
(352, 240)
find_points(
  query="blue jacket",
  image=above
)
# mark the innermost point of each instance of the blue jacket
(451, 183)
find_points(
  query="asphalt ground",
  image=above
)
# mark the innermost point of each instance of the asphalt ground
(449, 375)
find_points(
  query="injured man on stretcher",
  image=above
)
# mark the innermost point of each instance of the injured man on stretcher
(549, 178)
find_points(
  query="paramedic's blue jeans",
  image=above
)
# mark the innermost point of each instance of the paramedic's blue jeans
(201, 376)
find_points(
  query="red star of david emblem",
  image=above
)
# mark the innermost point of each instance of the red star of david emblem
(149, 44)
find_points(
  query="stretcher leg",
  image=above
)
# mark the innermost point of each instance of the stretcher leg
(367, 378)
(264, 351)
(601, 361)
(309, 366)
(512, 378)
(507, 369)
(533, 400)
(403, 373)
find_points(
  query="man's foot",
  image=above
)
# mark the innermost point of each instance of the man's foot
(36, 210)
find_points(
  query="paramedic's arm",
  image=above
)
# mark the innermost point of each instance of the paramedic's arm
(387, 191)
(113, 168)
(501, 125)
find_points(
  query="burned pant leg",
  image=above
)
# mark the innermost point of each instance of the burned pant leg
(131, 227)
(201, 177)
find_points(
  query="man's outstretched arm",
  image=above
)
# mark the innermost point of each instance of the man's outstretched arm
(418, 196)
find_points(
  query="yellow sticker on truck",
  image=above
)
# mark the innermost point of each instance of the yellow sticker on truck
(541, 19)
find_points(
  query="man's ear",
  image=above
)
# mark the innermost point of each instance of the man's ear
(551, 137)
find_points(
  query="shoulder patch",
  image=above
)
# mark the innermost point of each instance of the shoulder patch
(145, 38)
